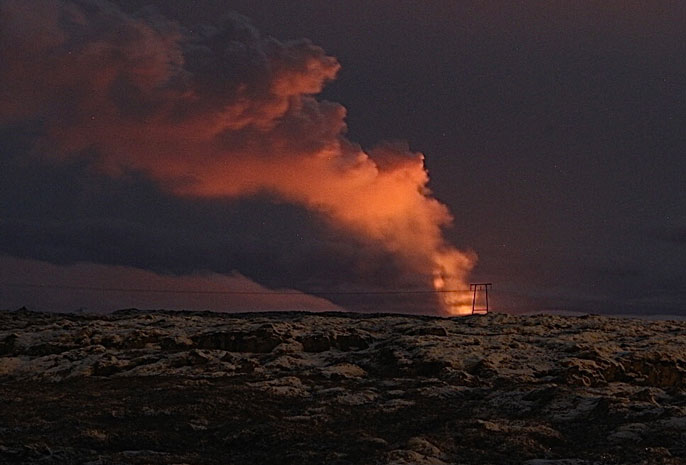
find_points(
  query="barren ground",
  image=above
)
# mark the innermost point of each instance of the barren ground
(298, 388)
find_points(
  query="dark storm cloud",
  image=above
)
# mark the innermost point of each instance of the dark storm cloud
(288, 262)
(68, 213)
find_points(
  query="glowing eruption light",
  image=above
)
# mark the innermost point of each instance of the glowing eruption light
(219, 112)
(450, 274)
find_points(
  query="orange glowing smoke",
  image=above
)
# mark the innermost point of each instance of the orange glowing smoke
(219, 112)
(450, 274)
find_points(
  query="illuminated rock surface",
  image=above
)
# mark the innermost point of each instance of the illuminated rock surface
(172, 388)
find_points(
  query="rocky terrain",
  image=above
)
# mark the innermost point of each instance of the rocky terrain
(299, 388)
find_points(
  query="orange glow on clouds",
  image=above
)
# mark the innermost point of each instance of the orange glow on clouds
(140, 98)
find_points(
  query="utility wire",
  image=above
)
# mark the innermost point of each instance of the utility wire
(208, 292)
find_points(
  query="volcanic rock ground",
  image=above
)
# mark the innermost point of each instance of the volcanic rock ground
(297, 388)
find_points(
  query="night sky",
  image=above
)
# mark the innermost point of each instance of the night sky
(205, 146)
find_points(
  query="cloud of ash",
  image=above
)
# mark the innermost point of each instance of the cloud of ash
(216, 112)
(96, 292)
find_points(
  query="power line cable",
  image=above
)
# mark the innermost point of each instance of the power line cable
(212, 292)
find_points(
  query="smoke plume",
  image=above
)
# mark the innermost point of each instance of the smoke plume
(216, 111)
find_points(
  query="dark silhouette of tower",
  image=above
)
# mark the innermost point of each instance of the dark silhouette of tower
(477, 287)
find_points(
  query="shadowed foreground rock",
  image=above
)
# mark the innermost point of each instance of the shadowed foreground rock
(298, 388)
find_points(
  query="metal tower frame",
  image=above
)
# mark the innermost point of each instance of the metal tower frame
(476, 287)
